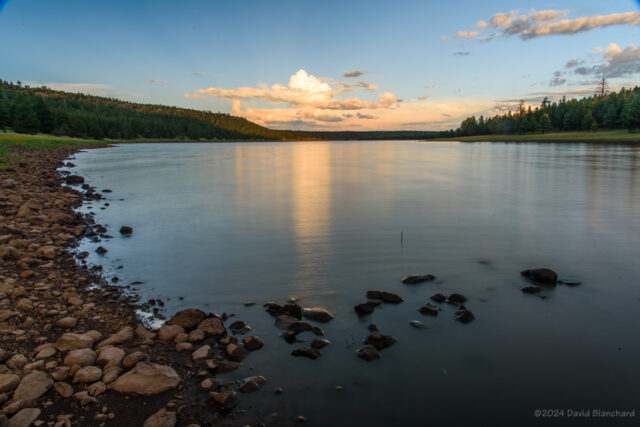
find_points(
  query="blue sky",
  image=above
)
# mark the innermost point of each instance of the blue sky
(240, 56)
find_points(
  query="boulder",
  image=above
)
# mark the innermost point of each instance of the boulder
(8, 382)
(428, 309)
(24, 418)
(391, 298)
(123, 335)
(162, 418)
(293, 310)
(70, 341)
(212, 327)
(239, 327)
(252, 384)
(132, 359)
(33, 386)
(80, 357)
(168, 333)
(74, 179)
(88, 374)
(110, 356)
(364, 308)
(541, 275)
(65, 390)
(367, 352)
(146, 379)
(67, 322)
(188, 318)
(418, 324)
(201, 353)
(411, 280)
(273, 308)
(226, 398)
(318, 314)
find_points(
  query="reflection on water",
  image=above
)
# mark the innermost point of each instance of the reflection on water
(216, 225)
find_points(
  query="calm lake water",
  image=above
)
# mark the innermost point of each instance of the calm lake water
(217, 225)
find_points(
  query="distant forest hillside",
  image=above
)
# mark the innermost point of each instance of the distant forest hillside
(42, 110)
(617, 110)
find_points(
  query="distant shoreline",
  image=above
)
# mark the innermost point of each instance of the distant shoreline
(614, 136)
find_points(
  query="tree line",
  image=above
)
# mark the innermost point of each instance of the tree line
(34, 110)
(617, 110)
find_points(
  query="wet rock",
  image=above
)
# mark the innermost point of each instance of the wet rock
(428, 309)
(364, 308)
(110, 356)
(464, 316)
(541, 275)
(290, 337)
(146, 379)
(227, 399)
(374, 294)
(391, 298)
(306, 352)
(569, 282)
(208, 383)
(319, 343)
(212, 327)
(317, 331)
(162, 418)
(300, 326)
(24, 418)
(411, 280)
(8, 382)
(273, 308)
(418, 324)
(438, 297)
(252, 343)
(380, 341)
(188, 318)
(372, 328)
(81, 357)
(74, 179)
(168, 333)
(70, 341)
(201, 353)
(88, 374)
(367, 352)
(239, 327)
(236, 353)
(318, 314)
(531, 289)
(184, 346)
(65, 390)
(252, 384)
(101, 250)
(456, 299)
(125, 230)
(33, 386)
(293, 310)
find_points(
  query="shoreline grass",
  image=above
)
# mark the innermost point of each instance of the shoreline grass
(618, 135)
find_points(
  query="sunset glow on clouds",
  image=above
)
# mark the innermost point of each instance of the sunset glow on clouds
(309, 102)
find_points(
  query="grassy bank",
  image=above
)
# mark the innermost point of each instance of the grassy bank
(599, 136)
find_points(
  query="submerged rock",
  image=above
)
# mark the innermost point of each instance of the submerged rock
(541, 275)
(464, 316)
(569, 282)
(428, 309)
(74, 179)
(531, 289)
(293, 310)
(418, 324)
(438, 297)
(367, 352)
(252, 384)
(319, 343)
(380, 341)
(456, 299)
(411, 280)
(306, 352)
(391, 298)
(364, 308)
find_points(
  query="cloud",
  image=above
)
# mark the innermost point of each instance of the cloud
(465, 34)
(572, 63)
(164, 82)
(545, 23)
(557, 79)
(354, 73)
(443, 38)
(613, 62)
(461, 53)
(365, 116)
(430, 86)
(423, 98)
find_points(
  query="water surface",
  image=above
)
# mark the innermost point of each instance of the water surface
(217, 225)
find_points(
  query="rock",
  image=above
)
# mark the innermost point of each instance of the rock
(456, 299)
(318, 314)
(201, 353)
(284, 321)
(125, 230)
(67, 323)
(252, 343)
(293, 310)
(252, 384)
(290, 337)
(374, 294)
(464, 316)
(132, 359)
(188, 318)
(239, 327)
(13, 407)
(101, 250)
(207, 383)
(569, 282)
(273, 308)
(438, 297)
(8, 382)
(372, 328)
(80, 357)
(306, 352)
(541, 275)
(17, 361)
(227, 398)
(196, 336)
(3, 354)
(212, 327)
(110, 356)
(96, 389)
(65, 390)
(110, 374)
(428, 309)
(168, 333)
(70, 341)
(33, 386)
(184, 346)
(364, 308)
(411, 280)
(300, 326)
(145, 334)
(418, 324)
(123, 335)
(367, 352)
(24, 418)
(146, 379)
(83, 398)
(226, 366)
(162, 418)
(391, 298)
(531, 289)
(380, 341)
(96, 335)
(88, 374)
(236, 353)
(74, 179)
(61, 373)
(319, 343)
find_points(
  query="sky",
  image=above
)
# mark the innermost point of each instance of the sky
(330, 65)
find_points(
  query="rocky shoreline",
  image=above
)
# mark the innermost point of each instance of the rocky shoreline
(73, 353)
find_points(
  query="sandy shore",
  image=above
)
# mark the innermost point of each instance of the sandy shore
(72, 353)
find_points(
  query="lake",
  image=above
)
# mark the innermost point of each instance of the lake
(218, 225)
